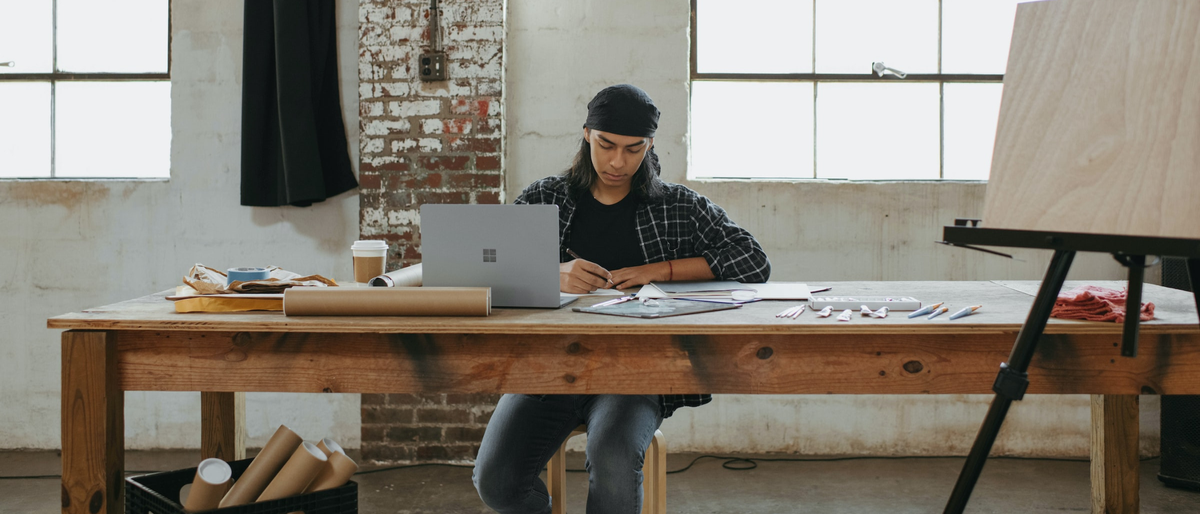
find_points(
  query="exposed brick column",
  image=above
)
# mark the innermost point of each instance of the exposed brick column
(426, 142)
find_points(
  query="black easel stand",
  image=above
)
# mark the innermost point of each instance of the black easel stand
(1012, 380)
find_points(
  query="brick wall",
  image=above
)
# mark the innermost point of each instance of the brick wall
(426, 142)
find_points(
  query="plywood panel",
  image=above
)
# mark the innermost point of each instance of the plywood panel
(1099, 128)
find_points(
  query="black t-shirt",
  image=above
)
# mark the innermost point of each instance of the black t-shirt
(607, 234)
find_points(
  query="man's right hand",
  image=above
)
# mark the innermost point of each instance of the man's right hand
(580, 277)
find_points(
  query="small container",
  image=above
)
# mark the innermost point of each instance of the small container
(370, 260)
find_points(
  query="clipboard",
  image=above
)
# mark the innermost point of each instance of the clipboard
(661, 308)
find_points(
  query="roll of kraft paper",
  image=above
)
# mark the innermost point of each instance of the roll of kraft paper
(299, 471)
(387, 301)
(407, 277)
(209, 486)
(265, 466)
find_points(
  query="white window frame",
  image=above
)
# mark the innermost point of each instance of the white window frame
(56, 76)
(818, 78)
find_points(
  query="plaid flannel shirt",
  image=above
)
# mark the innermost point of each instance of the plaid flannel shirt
(679, 224)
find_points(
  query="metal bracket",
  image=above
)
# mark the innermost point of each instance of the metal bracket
(1011, 383)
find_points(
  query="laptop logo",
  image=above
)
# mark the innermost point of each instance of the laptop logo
(489, 255)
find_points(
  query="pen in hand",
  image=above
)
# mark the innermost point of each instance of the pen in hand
(576, 256)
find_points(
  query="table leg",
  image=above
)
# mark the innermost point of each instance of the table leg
(556, 479)
(1115, 463)
(93, 425)
(223, 426)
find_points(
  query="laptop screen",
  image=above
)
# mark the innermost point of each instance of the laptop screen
(512, 249)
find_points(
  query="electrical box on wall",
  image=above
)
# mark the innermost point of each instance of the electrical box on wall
(433, 63)
(433, 66)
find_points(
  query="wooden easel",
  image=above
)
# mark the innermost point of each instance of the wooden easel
(1097, 150)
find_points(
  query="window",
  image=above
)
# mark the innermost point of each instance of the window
(789, 89)
(85, 89)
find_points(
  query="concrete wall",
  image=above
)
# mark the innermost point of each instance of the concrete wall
(69, 245)
(560, 53)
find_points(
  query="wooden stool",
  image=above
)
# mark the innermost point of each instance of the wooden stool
(654, 476)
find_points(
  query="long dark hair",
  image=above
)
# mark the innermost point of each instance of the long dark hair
(582, 175)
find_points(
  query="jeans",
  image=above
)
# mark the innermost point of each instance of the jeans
(526, 430)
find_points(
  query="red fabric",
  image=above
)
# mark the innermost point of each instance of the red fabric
(1096, 304)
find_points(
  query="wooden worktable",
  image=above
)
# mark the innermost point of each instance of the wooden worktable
(143, 345)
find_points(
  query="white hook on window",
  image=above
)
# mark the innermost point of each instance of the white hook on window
(879, 68)
(8, 64)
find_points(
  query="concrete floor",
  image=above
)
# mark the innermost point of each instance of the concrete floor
(856, 486)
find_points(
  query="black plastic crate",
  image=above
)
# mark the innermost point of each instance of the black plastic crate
(158, 493)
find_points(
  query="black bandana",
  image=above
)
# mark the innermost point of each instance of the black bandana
(623, 110)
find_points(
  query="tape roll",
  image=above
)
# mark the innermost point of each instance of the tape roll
(246, 275)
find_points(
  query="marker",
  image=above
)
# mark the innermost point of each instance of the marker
(576, 256)
(966, 311)
(925, 310)
(938, 312)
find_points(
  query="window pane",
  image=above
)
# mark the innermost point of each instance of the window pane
(113, 129)
(878, 131)
(26, 35)
(25, 129)
(128, 36)
(971, 114)
(751, 129)
(975, 35)
(754, 36)
(851, 34)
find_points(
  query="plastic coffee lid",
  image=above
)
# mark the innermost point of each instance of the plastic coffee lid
(214, 471)
(369, 245)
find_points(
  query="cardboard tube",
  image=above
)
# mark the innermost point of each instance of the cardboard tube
(387, 301)
(265, 466)
(404, 277)
(329, 446)
(334, 473)
(209, 486)
(299, 471)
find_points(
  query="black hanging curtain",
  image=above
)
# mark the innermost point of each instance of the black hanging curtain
(293, 137)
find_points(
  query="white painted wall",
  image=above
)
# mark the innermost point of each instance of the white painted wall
(559, 54)
(69, 245)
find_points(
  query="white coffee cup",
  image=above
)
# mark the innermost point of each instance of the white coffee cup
(370, 260)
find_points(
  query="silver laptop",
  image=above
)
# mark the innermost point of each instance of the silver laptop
(511, 248)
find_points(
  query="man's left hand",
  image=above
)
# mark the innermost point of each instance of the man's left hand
(625, 278)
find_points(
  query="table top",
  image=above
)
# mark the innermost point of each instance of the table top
(1005, 307)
